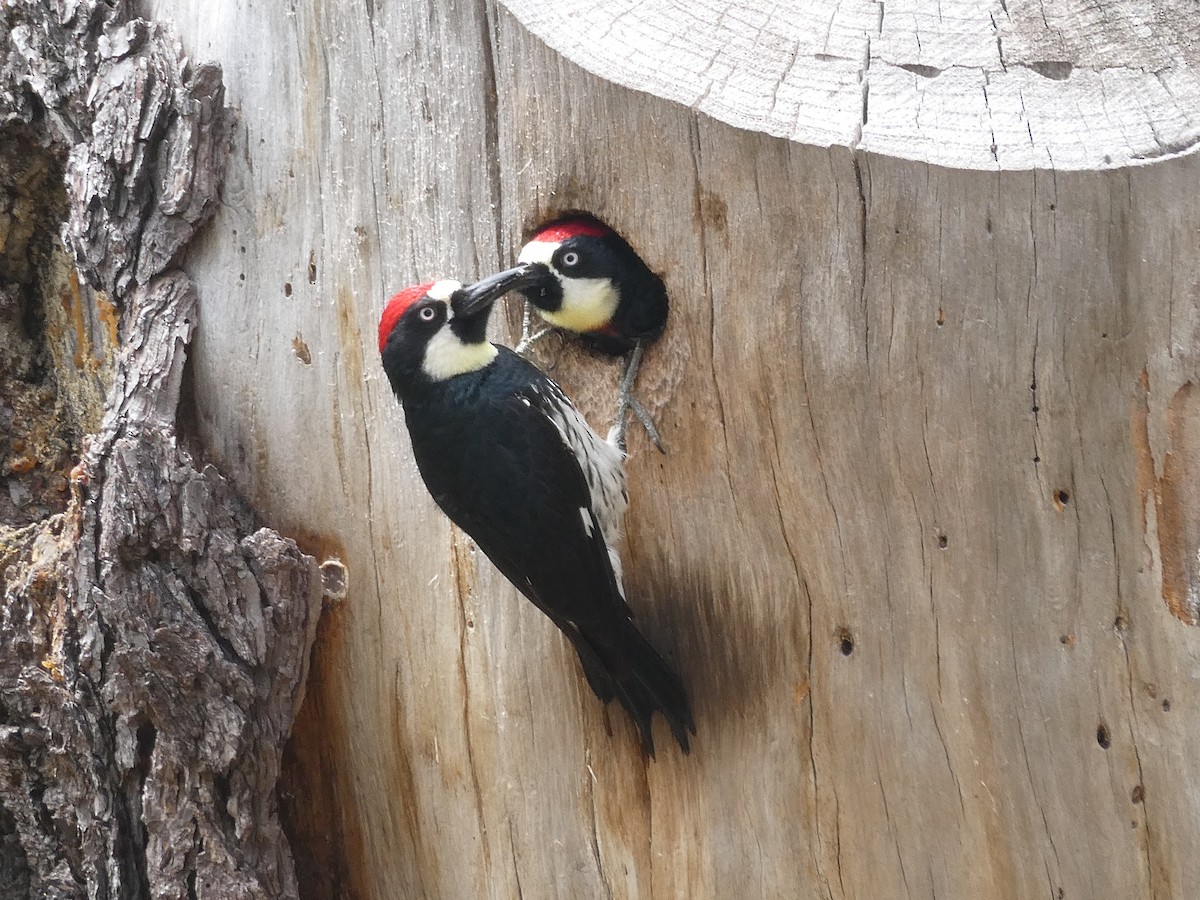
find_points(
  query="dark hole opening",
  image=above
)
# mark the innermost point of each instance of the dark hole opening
(845, 641)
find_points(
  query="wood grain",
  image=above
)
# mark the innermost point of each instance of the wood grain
(155, 638)
(964, 84)
(910, 545)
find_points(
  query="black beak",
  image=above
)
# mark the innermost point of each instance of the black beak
(475, 298)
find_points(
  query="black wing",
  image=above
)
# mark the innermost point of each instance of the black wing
(500, 468)
(516, 488)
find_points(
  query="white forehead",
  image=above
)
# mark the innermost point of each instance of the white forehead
(444, 289)
(538, 252)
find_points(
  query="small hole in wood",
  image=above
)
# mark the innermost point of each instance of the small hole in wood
(1067, 640)
(845, 641)
(287, 289)
(1120, 623)
(1139, 793)
(1102, 736)
(335, 580)
(1166, 706)
(943, 541)
(300, 348)
(1061, 498)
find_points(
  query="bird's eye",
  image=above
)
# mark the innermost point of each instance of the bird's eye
(571, 258)
(428, 314)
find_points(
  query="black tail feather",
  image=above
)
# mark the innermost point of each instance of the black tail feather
(642, 681)
(594, 669)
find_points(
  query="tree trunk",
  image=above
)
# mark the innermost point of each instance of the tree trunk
(155, 640)
(924, 543)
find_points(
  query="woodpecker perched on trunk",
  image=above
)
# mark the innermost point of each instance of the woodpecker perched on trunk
(511, 461)
(593, 283)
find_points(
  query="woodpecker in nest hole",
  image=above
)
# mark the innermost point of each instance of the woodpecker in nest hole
(590, 281)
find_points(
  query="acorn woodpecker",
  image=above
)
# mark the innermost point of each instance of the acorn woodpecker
(511, 461)
(593, 283)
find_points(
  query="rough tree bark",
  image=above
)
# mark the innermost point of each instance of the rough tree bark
(923, 542)
(154, 641)
(924, 545)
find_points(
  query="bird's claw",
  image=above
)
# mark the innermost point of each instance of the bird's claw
(527, 342)
(635, 406)
(626, 403)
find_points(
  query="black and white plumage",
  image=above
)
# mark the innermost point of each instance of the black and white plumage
(601, 462)
(587, 279)
(511, 461)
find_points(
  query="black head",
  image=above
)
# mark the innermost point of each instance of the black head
(435, 331)
(591, 281)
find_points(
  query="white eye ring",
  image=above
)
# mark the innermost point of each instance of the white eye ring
(427, 314)
(570, 258)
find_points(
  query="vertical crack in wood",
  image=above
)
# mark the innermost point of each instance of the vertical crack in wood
(595, 829)
(464, 572)
(1034, 787)
(891, 824)
(812, 762)
(512, 847)
(709, 296)
(491, 126)
(1137, 756)
(859, 161)
(801, 585)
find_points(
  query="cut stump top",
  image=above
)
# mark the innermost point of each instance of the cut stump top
(1004, 84)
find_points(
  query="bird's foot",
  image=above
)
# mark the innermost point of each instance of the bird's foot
(627, 403)
(528, 339)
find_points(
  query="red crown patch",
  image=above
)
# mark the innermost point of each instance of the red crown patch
(569, 228)
(396, 307)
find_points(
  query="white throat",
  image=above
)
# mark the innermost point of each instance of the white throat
(587, 304)
(446, 355)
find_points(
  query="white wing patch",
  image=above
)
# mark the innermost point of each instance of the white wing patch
(600, 461)
(602, 465)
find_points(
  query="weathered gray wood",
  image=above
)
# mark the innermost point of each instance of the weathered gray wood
(905, 645)
(966, 84)
(155, 639)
